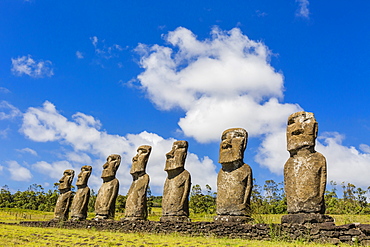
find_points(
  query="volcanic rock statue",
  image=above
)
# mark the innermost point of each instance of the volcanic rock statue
(136, 208)
(175, 201)
(65, 197)
(105, 204)
(81, 199)
(234, 181)
(304, 172)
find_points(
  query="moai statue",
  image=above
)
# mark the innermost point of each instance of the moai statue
(234, 181)
(175, 201)
(65, 197)
(304, 172)
(136, 208)
(105, 204)
(81, 199)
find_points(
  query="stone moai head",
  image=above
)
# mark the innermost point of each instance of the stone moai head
(66, 181)
(83, 176)
(301, 131)
(110, 167)
(176, 157)
(140, 160)
(233, 144)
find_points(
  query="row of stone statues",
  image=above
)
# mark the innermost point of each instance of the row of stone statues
(304, 181)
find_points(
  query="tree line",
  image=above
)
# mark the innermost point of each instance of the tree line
(267, 199)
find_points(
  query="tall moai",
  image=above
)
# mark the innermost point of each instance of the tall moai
(80, 201)
(63, 204)
(136, 202)
(304, 172)
(234, 181)
(175, 201)
(105, 204)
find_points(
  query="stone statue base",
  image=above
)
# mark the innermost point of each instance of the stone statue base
(101, 218)
(302, 218)
(175, 218)
(133, 218)
(232, 218)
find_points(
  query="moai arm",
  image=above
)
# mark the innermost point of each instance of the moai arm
(323, 174)
(248, 187)
(186, 190)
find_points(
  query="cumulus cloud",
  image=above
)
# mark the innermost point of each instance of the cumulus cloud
(8, 111)
(224, 81)
(90, 145)
(18, 172)
(345, 164)
(27, 150)
(26, 65)
(303, 10)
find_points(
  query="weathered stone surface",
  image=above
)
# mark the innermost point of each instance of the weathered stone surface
(301, 218)
(81, 199)
(305, 171)
(63, 204)
(234, 181)
(136, 202)
(175, 201)
(105, 204)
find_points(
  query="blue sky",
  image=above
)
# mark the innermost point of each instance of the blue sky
(80, 80)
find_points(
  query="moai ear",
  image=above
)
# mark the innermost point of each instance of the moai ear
(316, 129)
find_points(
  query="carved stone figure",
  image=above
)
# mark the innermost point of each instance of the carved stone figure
(234, 181)
(136, 207)
(304, 172)
(105, 204)
(65, 197)
(175, 201)
(81, 199)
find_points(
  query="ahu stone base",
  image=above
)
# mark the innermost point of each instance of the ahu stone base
(302, 218)
(318, 232)
(232, 218)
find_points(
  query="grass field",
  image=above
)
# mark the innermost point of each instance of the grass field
(15, 235)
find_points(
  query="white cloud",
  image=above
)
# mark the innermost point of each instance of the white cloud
(345, 164)
(92, 145)
(104, 51)
(303, 10)
(79, 55)
(18, 172)
(28, 66)
(28, 150)
(4, 90)
(8, 111)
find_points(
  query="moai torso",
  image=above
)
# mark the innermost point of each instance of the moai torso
(175, 201)
(233, 191)
(81, 199)
(63, 204)
(105, 203)
(176, 191)
(234, 181)
(136, 202)
(305, 171)
(305, 181)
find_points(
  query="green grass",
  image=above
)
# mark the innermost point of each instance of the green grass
(14, 235)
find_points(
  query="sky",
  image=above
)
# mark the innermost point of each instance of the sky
(80, 80)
